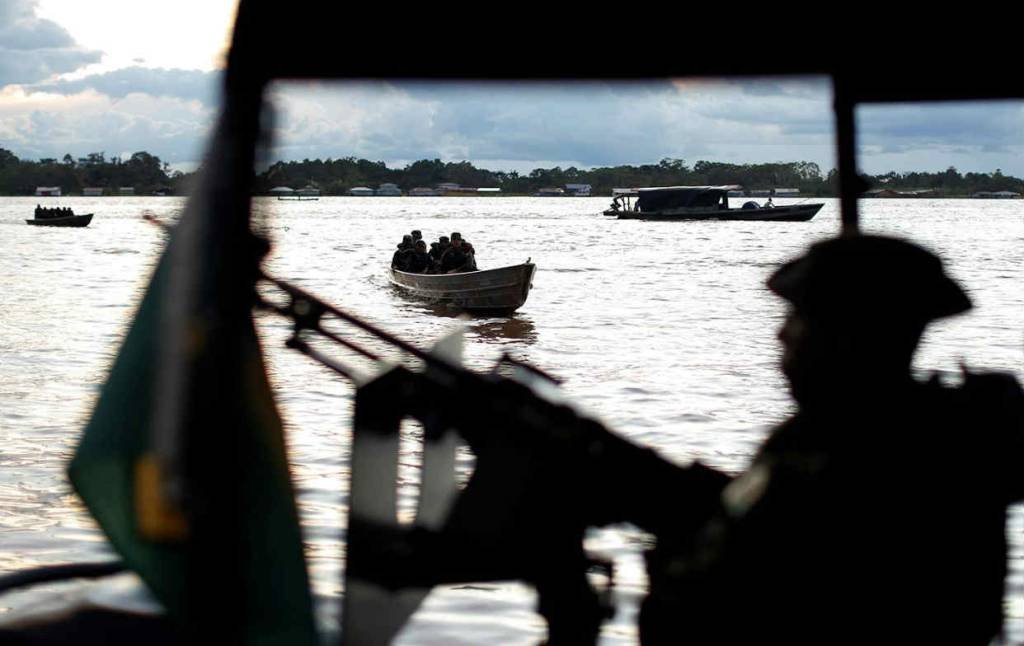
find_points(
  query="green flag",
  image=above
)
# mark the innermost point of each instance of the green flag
(223, 549)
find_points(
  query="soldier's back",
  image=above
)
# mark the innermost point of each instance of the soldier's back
(875, 522)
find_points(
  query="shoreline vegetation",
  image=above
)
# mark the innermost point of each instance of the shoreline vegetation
(146, 174)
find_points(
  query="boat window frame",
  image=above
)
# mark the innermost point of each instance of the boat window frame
(312, 53)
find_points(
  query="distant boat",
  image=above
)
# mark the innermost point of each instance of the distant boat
(63, 221)
(550, 192)
(669, 203)
(285, 193)
(501, 290)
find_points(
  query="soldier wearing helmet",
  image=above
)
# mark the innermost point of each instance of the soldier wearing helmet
(877, 512)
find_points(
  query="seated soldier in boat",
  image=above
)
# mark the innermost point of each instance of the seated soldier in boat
(418, 260)
(454, 259)
(438, 248)
(400, 258)
(435, 258)
(470, 264)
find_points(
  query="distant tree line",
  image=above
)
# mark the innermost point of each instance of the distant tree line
(147, 174)
(338, 176)
(143, 172)
(949, 182)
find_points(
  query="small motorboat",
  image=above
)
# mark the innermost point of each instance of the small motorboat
(53, 218)
(501, 290)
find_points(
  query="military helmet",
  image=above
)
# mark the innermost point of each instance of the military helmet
(860, 277)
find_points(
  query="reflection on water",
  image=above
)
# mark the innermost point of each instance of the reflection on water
(516, 330)
(510, 330)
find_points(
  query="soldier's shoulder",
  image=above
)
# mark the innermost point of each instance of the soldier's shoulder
(993, 385)
(994, 400)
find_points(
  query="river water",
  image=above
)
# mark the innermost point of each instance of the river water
(663, 330)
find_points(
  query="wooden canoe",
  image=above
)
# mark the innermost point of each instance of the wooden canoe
(70, 221)
(501, 290)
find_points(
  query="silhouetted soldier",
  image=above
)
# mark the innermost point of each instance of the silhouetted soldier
(877, 513)
(400, 259)
(454, 258)
(418, 260)
(437, 251)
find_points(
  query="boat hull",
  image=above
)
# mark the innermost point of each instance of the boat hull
(792, 213)
(72, 221)
(501, 290)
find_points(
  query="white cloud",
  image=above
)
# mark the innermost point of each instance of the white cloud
(203, 86)
(34, 49)
(185, 34)
(168, 112)
(587, 124)
(37, 124)
(972, 136)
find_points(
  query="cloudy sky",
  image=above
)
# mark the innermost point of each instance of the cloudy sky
(119, 76)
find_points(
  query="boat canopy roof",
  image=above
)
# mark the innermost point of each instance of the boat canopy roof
(670, 197)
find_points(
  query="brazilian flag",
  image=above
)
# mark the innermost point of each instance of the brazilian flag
(183, 461)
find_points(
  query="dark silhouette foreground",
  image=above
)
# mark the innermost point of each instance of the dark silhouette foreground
(877, 513)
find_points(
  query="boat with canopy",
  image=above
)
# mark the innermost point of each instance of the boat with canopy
(54, 218)
(699, 203)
